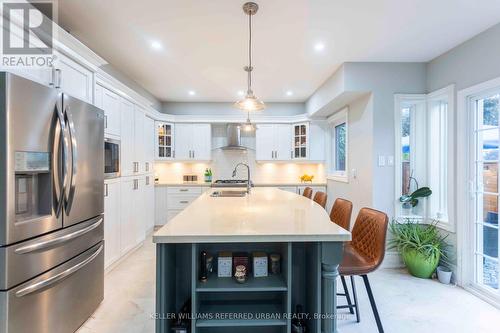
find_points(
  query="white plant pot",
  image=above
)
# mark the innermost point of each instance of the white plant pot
(444, 274)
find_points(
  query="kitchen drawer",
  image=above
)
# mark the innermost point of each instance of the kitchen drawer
(172, 213)
(180, 201)
(33, 257)
(184, 190)
(58, 301)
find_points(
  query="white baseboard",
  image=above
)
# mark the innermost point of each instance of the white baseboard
(392, 259)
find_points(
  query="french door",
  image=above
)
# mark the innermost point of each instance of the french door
(483, 173)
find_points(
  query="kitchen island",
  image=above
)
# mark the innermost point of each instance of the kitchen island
(266, 220)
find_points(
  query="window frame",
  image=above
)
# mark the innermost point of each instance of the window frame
(338, 118)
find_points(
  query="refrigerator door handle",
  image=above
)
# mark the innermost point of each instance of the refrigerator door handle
(58, 277)
(74, 155)
(59, 240)
(58, 171)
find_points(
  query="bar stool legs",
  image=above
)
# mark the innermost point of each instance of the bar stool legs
(353, 306)
(372, 303)
(355, 296)
(347, 296)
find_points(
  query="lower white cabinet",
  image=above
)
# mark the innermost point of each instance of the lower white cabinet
(149, 202)
(171, 200)
(112, 207)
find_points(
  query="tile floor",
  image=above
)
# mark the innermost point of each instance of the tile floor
(406, 304)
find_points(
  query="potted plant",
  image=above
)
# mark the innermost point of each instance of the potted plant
(421, 246)
(410, 201)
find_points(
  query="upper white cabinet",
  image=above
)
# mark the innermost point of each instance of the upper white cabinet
(139, 147)
(301, 141)
(273, 142)
(193, 142)
(127, 148)
(110, 103)
(164, 141)
(149, 144)
(73, 78)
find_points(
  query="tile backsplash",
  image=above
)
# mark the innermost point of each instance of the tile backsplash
(224, 161)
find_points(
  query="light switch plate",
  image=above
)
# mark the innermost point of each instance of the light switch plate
(381, 160)
(390, 160)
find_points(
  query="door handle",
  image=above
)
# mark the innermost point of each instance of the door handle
(173, 153)
(147, 166)
(291, 154)
(183, 201)
(59, 240)
(183, 190)
(58, 75)
(147, 180)
(105, 121)
(58, 277)
(57, 170)
(105, 190)
(74, 159)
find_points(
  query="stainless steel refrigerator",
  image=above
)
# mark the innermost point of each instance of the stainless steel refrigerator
(51, 208)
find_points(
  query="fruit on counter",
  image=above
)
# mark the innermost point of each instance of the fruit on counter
(306, 178)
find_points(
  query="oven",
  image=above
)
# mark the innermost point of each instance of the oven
(111, 158)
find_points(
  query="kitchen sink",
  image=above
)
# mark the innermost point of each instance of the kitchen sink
(229, 193)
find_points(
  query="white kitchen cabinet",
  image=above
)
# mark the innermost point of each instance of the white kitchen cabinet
(73, 79)
(108, 101)
(300, 189)
(112, 216)
(149, 203)
(273, 142)
(300, 141)
(193, 142)
(132, 227)
(139, 147)
(127, 148)
(149, 144)
(160, 205)
(164, 141)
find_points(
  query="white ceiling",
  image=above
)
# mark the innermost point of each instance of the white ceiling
(204, 43)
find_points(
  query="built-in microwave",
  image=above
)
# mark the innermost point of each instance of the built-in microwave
(111, 158)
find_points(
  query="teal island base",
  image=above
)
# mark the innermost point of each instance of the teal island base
(307, 277)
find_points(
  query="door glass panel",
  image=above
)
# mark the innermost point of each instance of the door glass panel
(486, 145)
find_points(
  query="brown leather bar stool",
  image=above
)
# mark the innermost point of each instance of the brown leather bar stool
(320, 198)
(308, 192)
(364, 254)
(341, 215)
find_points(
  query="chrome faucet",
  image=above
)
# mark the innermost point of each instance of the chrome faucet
(249, 182)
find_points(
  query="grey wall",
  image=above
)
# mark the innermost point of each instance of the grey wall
(475, 61)
(207, 108)
(384, 80)
(360, 132)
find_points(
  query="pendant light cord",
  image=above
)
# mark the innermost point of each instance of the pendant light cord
(250, 53)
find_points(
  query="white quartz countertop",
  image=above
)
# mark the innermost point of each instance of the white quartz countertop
(256, 184)
(265, 215)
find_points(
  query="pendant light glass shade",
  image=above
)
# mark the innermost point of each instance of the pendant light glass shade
(250, 103)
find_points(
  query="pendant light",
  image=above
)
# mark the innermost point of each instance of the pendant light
(250, 102)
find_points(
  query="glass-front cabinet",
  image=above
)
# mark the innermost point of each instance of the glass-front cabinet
(300, 141)
(164, 141)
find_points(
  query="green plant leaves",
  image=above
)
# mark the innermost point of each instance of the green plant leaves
(421, 193)
(423, 238)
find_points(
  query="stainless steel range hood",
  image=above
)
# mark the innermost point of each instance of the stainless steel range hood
(234, 138)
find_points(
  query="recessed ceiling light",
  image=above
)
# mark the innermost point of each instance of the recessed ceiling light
(319, 46)
(155, 45)
(289, 93)
(191, 92)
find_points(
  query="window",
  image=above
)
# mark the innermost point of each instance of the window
(423, 148)
(339, 151)
(340, 132)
